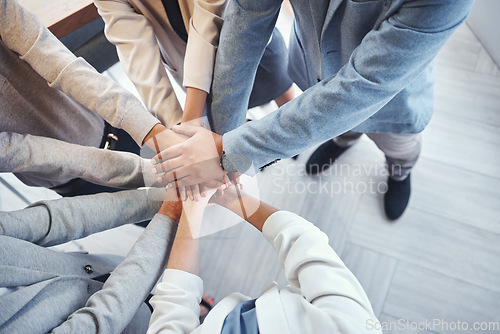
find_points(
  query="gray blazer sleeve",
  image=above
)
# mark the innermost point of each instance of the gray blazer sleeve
(111, 309)
(58, 162)
(380, 67)
(49, 223)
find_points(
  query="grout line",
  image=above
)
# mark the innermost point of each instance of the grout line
(396, 266)
(469, 283)
(375, 251)
(468, 119)
(482, 45)
(472, 227)
(462, 168)
(398, 318)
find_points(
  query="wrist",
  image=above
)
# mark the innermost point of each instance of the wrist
(155, 130)
(172, 209)
(192, 117)
(196, 207)
(218, 143)
(194, 105)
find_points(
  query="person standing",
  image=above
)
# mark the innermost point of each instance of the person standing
(364, 66)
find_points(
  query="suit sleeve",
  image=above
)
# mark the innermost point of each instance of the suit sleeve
(55, 162)
(23, 33)
(380, 67)
(204, 31)
(138, 50)
(248, 26)
(313, 267)
(49, 223)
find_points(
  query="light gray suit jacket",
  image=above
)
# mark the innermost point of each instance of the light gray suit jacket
(364, 64)
(46, 91)
(54, 291)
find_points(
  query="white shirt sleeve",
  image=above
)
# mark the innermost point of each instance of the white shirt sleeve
(176, 303)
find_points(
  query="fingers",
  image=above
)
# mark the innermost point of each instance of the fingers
(235, 179)
(167, 166)
(186, 129)
(193, 193)
(182, 193)
(189, 175)
(167, 154)
(176, 178)
(214, 183)
(203, 189)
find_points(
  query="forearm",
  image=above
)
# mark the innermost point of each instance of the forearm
(232, 83)
(204, 30)
(195, 104)
(251, 209)
(24, 34)
(53, 222)
(185, 250)
(140, 56)
(176, 299)
(111, 309)
(58, 161)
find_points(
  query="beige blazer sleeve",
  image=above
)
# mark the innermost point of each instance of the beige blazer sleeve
(139, 53)
(23, 33)
(204, 30)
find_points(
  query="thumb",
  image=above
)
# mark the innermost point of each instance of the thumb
(186, 129)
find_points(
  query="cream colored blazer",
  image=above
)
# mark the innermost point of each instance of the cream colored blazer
(148, 46)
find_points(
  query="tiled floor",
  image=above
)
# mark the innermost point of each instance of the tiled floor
(440, 261)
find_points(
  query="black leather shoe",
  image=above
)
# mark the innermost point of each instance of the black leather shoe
(396, 198)
(324, 156)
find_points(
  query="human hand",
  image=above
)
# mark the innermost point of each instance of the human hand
(161, 138)
(194, 161)
(192, 193)
(230, 192)
(193, 213)
(202, 202)
(200, 190)
(195, 191)
(171, 206)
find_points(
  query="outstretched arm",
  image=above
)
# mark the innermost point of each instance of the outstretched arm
(203, 39)
(177, 297)
(54, 162)
(382, 65)
(138, 50)
(387, 60)
(49, 223)
(23, 33)
(310, 264)
(132, 280)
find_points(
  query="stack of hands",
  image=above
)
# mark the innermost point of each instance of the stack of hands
(189, 159)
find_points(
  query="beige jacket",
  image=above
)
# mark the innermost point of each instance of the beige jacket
(147, 46)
